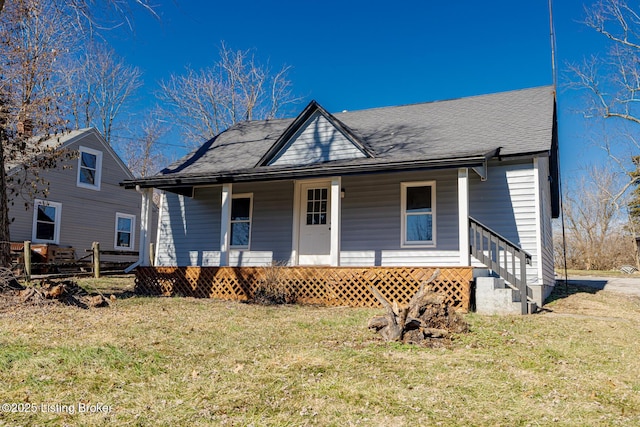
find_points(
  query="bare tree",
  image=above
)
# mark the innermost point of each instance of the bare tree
(236, 88)
(34, 36)
(612, 81)
(143, 154)
(104, 14)
(597, 236)
(102, 84)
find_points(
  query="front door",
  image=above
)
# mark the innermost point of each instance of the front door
(314, 246)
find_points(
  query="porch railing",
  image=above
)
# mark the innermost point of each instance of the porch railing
(501, 256)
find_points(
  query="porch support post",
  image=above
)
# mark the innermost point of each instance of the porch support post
(463, 216)
(145, 227)
(225, 216)
(336, 210)
(295, 233)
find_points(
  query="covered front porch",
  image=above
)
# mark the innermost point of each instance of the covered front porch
(335, 232)
(418, 218)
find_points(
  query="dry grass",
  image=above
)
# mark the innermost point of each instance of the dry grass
(180, 361)
(597, 273)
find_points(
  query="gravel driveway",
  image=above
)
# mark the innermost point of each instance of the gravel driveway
(621, 284)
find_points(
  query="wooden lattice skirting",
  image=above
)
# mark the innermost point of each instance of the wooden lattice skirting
(335, 286)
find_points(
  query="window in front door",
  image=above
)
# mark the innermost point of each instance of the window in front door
(316, 206)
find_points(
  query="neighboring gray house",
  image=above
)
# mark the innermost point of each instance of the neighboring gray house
(393, 186)
(85, 202)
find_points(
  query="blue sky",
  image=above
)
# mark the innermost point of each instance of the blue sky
(351, 55)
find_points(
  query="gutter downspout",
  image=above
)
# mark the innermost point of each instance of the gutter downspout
(145, 220)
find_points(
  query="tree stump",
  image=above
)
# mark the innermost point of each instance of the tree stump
(426, 318)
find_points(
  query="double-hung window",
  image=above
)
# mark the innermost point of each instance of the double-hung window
(89, 168)
(125, 231)
(46, 221)
(241, 210)
(418, 213)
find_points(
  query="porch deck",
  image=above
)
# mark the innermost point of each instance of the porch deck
(333, 286)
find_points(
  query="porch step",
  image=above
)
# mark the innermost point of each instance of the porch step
(494, 296)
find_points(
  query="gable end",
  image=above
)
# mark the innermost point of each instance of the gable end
(315, 136)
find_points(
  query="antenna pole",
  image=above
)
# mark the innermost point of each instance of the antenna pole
(553, 46)
(552, 36)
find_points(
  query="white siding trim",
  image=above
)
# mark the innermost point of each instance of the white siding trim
(400, 258)
(145, 227)
(57, 221)
(159, 223)
(297, 202)
(538, 218)
(97, 179)
(132, 240)
(295, 233)
(225, 216)
(335, 221)
(463, 216)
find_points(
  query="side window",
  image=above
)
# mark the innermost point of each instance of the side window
(125, 231)
(418, 213)
(89, 168)
(46, 221)
(241, 210)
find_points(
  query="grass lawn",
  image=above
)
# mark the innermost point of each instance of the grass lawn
(598, 273)
(177, 361)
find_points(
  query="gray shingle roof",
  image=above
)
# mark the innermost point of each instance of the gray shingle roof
(41, 146)
(61, 141)
(517, 123)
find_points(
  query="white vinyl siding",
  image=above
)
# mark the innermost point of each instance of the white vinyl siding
(506, 203)
(546, 230)
(317, 141)
(372, 221)
(189, 227)
(400, 258)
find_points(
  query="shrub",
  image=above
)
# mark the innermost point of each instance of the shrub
(274, 289)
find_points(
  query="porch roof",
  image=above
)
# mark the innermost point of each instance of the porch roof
(463, 132)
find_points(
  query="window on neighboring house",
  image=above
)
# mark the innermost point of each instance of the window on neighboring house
(89, 168)
(418, 213)
(241, 209)
(125, 231)
(46, 221)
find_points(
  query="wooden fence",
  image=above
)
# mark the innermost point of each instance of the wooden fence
(335, 286)
(52, 260)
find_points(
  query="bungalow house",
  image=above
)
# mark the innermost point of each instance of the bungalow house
(84, 202)
(463, 182)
